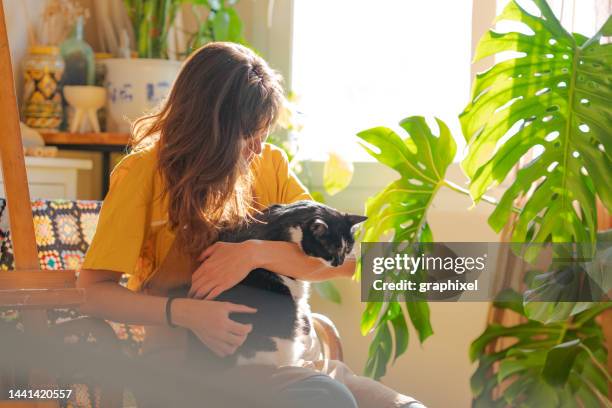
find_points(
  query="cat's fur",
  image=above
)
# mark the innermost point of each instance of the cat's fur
(282, 325)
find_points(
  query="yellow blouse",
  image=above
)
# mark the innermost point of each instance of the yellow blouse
(132, 235)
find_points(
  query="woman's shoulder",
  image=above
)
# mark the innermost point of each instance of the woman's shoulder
(140, 160)
(269, 162)
(273, 155)
(137, 168)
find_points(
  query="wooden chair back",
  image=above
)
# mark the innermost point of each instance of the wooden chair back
(28, 289)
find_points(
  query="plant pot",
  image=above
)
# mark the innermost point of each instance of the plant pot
(136, 86)
(85, 102)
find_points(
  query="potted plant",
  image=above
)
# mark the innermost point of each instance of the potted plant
(554, 95)
(136, 85)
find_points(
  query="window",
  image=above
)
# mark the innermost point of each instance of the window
(358, 64)
(580, 16)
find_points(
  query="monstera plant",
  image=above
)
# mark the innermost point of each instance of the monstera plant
(557, 93)
(546, 110)
(421, 160)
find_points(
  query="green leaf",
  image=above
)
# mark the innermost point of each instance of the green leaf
(593, 312)
(546, 365)
(318, 196)
(550, 312)
(226, 25)
(145, 39)
(599, 269)
(400, 330)
(235, 27)
(221, 25)
(518, 360)
(337, 174)
(522, 332)
(379, 352)
(481, 381)
(509, 299)
(587, 397)
(421, 160)
(518, 388)
(540, 394)
(327, 290)
(419, 316)
(370, 316)
(560, 361)
(556, 95)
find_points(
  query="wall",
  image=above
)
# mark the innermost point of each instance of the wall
(16, 26)
(268, 28)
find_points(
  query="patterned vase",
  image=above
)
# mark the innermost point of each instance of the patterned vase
(43, 68)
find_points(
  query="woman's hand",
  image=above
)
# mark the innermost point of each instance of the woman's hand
(210, 322)
(224, 265)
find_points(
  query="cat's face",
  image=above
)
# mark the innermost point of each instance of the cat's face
(329, 235)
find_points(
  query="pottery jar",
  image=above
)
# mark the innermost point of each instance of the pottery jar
(43, 68)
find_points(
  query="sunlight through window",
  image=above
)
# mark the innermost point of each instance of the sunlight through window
(359, 64)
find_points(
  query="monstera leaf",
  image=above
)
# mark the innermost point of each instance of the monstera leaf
(398, 214)
(547, 365)
(569, 285)
(556, 95)
(337, 173)
(421, 161)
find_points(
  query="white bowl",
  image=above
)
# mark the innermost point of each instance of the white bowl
(85, 97)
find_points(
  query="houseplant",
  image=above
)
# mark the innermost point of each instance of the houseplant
(137, 85)
(554, 95)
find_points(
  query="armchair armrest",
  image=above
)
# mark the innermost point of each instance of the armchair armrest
(328, 336)
(36, 289)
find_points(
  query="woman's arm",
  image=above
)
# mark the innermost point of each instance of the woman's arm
(105, 298)
(225, 264)
(286, 258)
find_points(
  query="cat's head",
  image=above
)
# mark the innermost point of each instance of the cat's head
(327, 233)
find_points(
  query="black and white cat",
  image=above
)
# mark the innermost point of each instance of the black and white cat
(282, 325)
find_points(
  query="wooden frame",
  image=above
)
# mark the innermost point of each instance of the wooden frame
(28, 288)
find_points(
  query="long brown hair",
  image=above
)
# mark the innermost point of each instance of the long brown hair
(223, 95)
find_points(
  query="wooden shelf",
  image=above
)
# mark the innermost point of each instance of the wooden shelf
(64, 138)
(104, 143)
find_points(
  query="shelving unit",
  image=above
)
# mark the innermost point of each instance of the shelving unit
(103, 143)
(61, 139)
(52, 177)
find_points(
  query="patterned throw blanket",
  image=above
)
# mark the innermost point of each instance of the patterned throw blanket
(64, 230)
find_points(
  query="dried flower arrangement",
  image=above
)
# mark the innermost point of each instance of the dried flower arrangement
(57, 20)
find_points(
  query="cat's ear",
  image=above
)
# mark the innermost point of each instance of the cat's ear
(318, 227)
(355, 219)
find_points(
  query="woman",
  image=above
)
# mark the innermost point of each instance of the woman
(197, 164)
